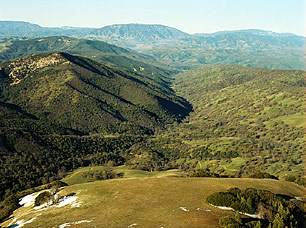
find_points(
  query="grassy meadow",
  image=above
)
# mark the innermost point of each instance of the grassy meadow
(76, 176)
(148, 199)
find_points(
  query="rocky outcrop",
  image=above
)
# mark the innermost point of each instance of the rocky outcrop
(22, 68)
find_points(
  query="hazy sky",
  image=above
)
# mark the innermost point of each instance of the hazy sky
(192, 16)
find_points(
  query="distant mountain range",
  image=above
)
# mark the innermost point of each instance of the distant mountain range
(170, 46)
(132, 34)
(21, 28)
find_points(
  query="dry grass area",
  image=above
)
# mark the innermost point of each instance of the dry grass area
(149, 202)
(76, 177)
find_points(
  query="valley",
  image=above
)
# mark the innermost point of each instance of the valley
(243, 118)
(124, 128)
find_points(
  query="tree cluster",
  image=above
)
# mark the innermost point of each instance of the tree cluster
(101, 175)
(272, 210)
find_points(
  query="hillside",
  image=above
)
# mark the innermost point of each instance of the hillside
(139, 32)
(60, 112)
(144, 202)
(19, 28)
(60, 86)
(12, 48)
(21, 48)
(244, 120)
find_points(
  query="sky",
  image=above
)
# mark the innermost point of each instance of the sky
(191, 16)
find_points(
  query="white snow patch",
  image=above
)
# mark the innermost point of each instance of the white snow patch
(73, 223)
(76, 204)
(22, 222)
(250, 215)
(231, 209)
(298, 198)
(184, 209)
(68, 200)
(42, 207)
(134, 224)
(223, 208)
(28, 200)
(208, 210)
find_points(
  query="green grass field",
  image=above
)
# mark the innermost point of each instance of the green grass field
(76, 177)
(146, 200)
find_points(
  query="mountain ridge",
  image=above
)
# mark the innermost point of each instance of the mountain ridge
(135, 31)
(33, 25)
(172, 47)
(43, 79)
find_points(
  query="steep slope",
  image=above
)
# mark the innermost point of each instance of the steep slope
(84, 95)
(244, 120)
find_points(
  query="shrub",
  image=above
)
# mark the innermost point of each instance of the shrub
(300, 181)
(57, 184)
(290, 178)
(262, 175)
(221, 199)
(234, 191)
(230, 222)
(101, 175)
(42, 198)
